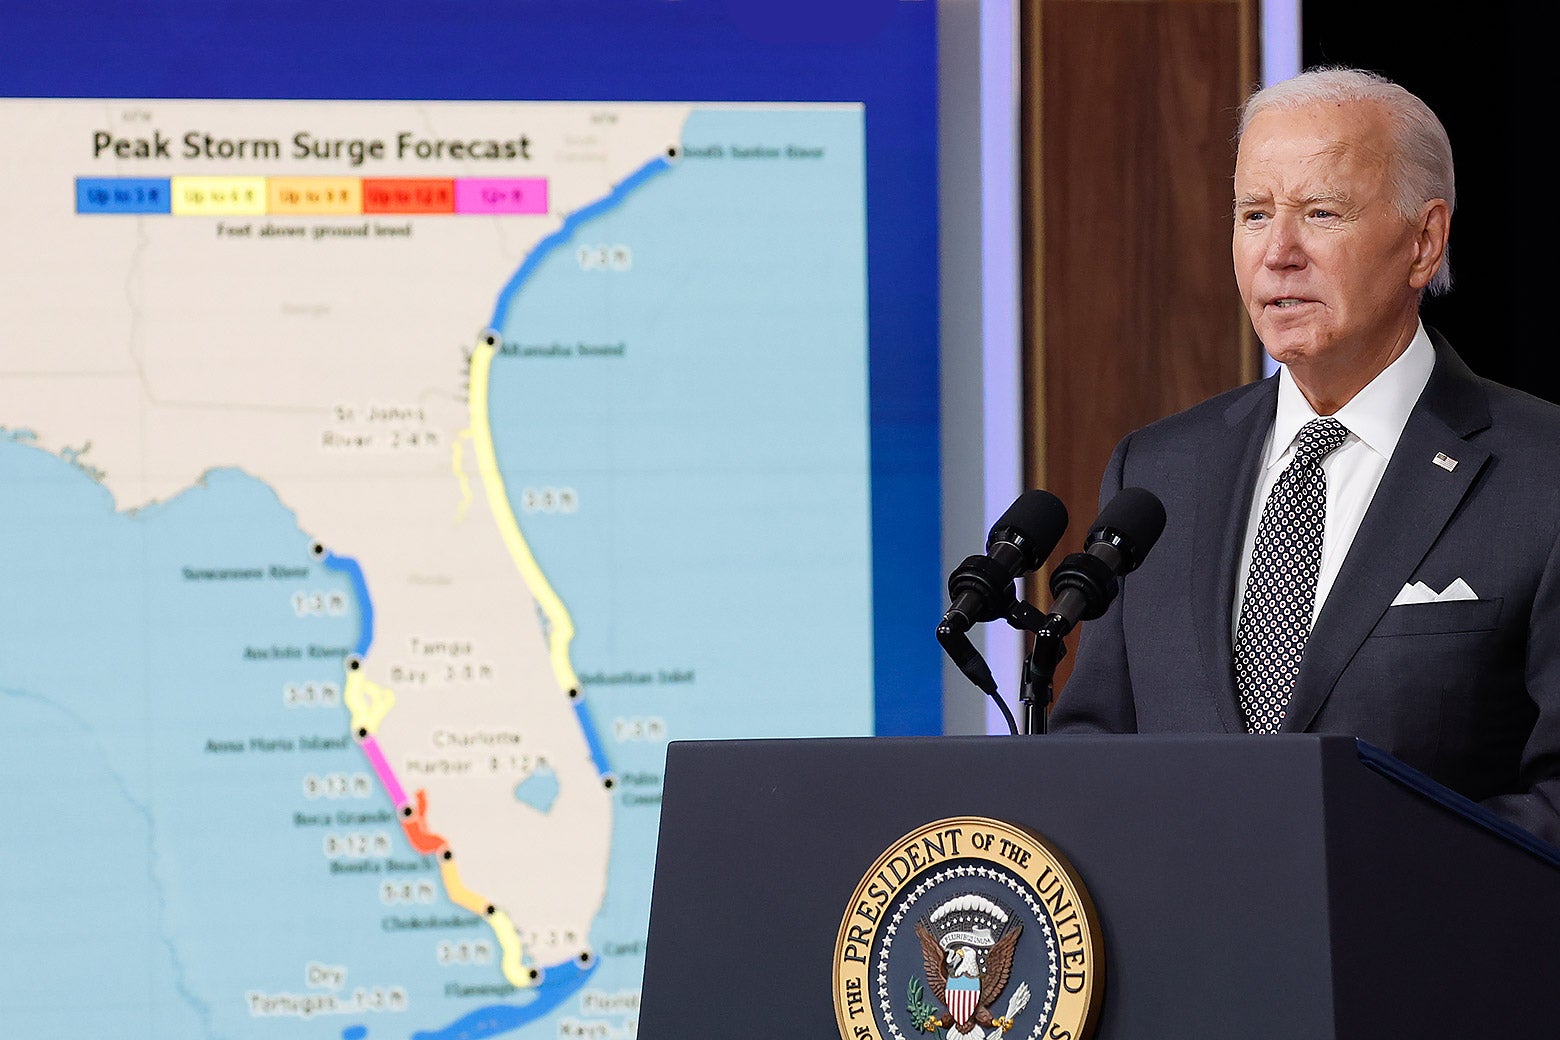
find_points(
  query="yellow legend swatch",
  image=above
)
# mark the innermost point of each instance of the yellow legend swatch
(327, 196)
(219, 196)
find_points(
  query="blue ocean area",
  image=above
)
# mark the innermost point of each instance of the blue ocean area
(177, 878)
(704, 395)
(715, 389)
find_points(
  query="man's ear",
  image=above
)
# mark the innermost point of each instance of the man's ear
(1431, 232)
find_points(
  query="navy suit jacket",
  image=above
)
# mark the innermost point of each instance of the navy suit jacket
(1468, 692)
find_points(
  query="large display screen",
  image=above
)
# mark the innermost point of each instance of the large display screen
(411, 419)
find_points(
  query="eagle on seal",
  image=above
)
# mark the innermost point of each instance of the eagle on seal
(960, 965)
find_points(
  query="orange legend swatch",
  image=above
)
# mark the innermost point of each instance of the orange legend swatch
(329, 196)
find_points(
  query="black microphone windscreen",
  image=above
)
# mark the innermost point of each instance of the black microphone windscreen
(1039, 517)
(1136, 516)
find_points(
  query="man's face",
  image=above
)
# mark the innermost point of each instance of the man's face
(1325, 263)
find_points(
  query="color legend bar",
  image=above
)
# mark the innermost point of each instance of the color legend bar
(312, 196)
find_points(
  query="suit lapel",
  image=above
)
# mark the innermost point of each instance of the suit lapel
(1414, 502)
(1228, 473)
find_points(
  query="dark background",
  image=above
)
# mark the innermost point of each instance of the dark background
(1485, 68)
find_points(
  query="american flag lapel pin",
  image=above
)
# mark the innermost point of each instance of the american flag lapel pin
(1445, 461)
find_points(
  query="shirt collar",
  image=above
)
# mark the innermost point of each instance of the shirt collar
(1376, 415)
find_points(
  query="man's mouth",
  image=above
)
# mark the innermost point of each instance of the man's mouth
(1288, 301)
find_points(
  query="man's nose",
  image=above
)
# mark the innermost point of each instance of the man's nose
(1284, 243)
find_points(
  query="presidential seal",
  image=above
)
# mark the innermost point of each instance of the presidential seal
(969, 929)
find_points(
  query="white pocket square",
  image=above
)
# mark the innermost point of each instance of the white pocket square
(1419, 592)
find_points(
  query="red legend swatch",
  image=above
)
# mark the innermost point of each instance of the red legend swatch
(408, 195)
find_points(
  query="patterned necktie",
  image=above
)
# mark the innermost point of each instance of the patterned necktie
(1275, 613)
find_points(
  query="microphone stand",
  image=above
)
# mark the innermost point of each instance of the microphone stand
(1044, 655)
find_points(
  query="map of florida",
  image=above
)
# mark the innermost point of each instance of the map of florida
(347, 368)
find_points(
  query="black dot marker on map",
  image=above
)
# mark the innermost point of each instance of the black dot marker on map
(584, 957)
(491, 910)
(533, 974)
(609, 782)
(574, 693)
(354, 662)
(492, 339)
(406, 810)
(449, 854)
(362, 733)
(317, 551)
(671, 151)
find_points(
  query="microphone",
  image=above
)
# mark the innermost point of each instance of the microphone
(1019, 542)
(1084, 583)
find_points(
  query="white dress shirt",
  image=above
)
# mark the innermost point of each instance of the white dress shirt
(1375, 418)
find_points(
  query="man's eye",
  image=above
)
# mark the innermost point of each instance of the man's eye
(1323, 214)
(1254, 216)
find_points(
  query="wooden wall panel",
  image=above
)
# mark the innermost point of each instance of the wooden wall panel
(1131, 312)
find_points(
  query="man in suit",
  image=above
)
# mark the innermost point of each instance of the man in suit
(1368, 542)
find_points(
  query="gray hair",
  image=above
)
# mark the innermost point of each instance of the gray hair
(1421, 154)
